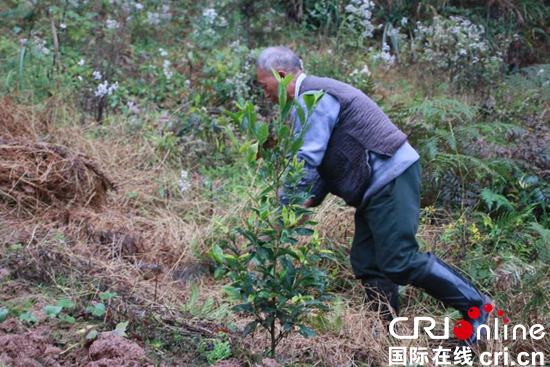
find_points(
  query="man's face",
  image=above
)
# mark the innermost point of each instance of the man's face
(269, 84)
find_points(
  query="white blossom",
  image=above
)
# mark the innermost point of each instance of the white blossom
(97, 75)
(133, 108)
(36, 44)
(166, 69)
(165, 10)
(361, 11)
(365, 70)
(112, 24)
(385, 56)
(184, 183)
(81, 62)
(210, 13)
(104, 89)
(77, 3)
(153, 18)
(113, 87)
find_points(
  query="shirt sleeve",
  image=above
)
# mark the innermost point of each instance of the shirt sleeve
(316, 136)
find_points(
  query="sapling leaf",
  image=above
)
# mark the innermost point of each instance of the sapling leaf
(91, 335)
(4, 312)
(52, 311)
(97, 310)
(263, 133)
(120, 329)
(107, 295)
(306, 331)
(250, 327)
(65, 303)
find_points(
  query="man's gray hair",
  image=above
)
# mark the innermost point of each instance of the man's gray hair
(279, 58)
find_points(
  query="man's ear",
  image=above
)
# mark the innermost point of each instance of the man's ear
(282, 73)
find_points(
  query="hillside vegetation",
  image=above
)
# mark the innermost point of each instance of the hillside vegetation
(140, 165)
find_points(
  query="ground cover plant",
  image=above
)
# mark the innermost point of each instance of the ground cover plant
(139, 221)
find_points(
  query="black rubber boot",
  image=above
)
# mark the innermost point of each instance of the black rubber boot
(382, 293)
(444, 283)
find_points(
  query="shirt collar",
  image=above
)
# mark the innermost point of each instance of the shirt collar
(299, 81)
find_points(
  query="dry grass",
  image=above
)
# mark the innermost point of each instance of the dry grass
(63, 187)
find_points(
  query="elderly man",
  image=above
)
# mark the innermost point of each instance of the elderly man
(352, 149)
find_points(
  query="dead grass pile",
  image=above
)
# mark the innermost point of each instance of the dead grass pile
(19, 122)
(36, 176)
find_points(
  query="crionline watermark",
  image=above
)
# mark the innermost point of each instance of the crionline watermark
(464, 330)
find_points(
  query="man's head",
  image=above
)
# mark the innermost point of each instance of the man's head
(284, 62)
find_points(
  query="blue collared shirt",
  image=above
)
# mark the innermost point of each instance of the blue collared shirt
(316, 137)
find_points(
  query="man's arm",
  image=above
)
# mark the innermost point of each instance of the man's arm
(316, 137)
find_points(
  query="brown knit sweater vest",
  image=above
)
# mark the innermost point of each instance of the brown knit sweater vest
(362, 127)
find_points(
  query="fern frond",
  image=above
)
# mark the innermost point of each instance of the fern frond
(498, 129)
(491, 198)
(449, 139)
(443, 109)
(512, 270)
(494, 132)
(514, 218)
(448, 161)
(429, 148)
(530, 80)
(543, 232)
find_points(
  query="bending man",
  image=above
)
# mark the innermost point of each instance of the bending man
(352, 149)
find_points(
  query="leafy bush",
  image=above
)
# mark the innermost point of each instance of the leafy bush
(457, 49)
(273, 277)
(215, 350)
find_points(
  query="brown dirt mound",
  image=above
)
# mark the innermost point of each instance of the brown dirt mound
(27, 350)
(40, 175)
(111, 350)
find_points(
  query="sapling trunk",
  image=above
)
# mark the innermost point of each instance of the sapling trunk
(273, 339)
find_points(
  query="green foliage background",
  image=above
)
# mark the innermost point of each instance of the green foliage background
(468, 81)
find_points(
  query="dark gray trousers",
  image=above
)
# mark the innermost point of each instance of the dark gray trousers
(385, 245)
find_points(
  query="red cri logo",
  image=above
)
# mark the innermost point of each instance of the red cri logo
(463, 329)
